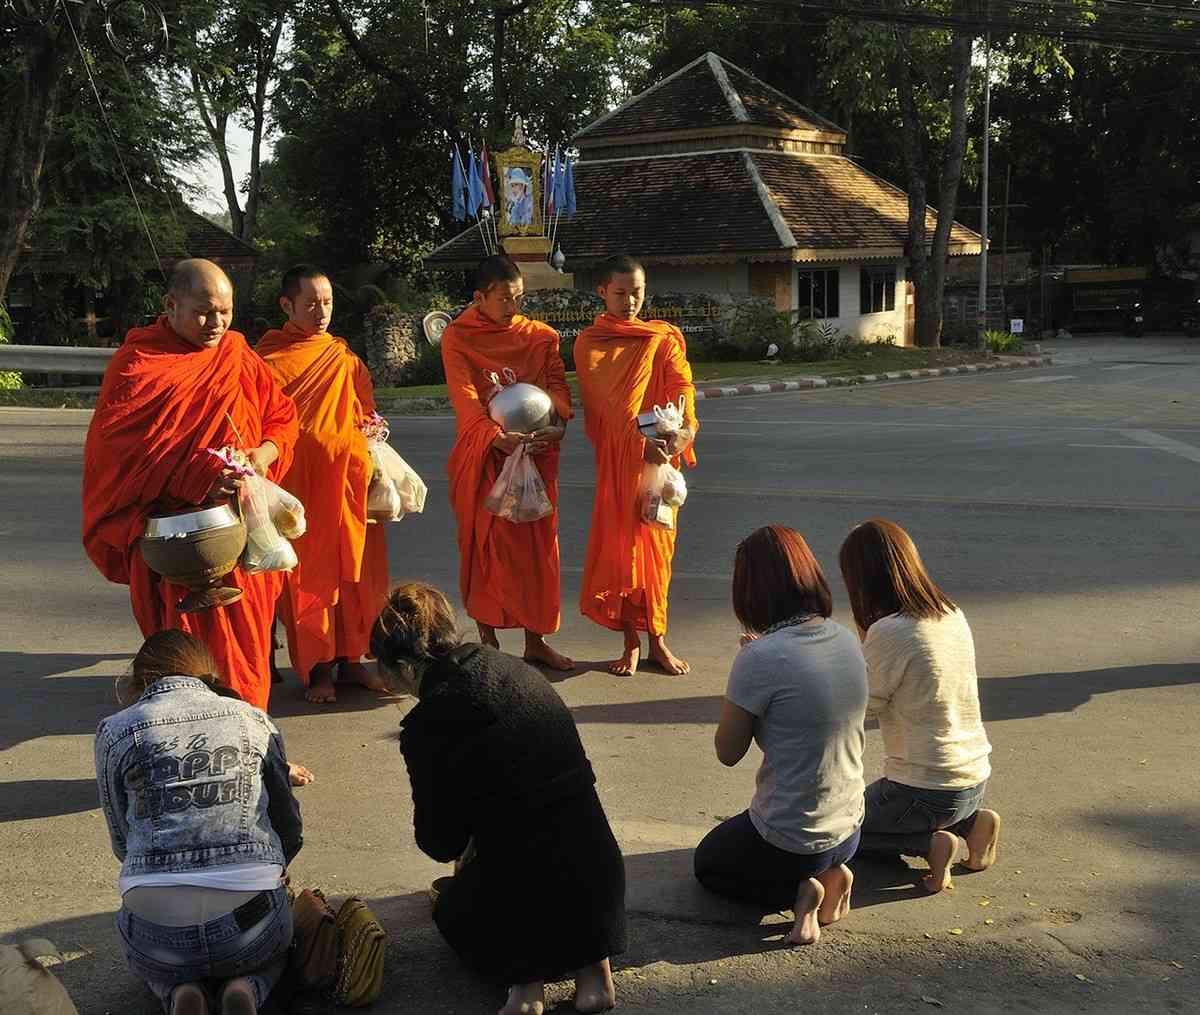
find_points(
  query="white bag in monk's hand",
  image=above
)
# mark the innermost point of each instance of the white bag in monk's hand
(662, 491)
(26, 986)
(285, 510)
(519, 494)
(396, 490)
(266, 550)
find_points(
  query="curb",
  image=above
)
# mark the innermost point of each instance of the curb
(808, 383)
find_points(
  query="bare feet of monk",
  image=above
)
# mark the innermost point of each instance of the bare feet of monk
(239, 998)
(188, 999)
(837, 882)
(487, 636)
(983, 840)
(627, 664)
(320, 685)
(537, 651)
(525, 999)
(351, 671)
(665, 658)
(298, 775)
(594, 990)
(943, 847)
(807, 928)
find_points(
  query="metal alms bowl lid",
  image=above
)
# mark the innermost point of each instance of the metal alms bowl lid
(178, 524)
(520, 408)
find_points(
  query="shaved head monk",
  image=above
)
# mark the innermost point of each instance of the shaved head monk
(509, 571)
(331, 600)
(625, 367)
(173, 390)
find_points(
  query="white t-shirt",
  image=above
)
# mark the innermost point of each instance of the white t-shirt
(807, 688)
(230, 877)
(925, 693)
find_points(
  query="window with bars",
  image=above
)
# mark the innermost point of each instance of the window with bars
(817, 293)
(878, 290)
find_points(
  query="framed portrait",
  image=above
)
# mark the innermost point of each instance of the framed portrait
(519, 201)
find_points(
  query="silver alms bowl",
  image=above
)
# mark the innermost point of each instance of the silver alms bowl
(186, 523)
(521, 408)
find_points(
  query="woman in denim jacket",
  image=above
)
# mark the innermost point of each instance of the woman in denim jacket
(195, 789)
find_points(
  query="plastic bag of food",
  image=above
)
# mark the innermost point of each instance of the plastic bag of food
(519, 494)
(662, 491)
(266, 549)
(396, 490)
(286, 511)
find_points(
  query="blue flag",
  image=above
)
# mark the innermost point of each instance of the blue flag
(570, 189)
(474, 186)
(457, 185)
(560, 185)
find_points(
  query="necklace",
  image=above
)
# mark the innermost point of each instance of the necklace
(799, 618)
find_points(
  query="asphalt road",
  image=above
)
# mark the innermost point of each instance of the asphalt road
(1058, 506)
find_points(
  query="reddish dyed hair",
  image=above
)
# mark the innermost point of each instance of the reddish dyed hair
(776, 576)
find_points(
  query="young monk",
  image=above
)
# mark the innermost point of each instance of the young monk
(626, 366)
(173, 390)
(509, 571)
(331, 600)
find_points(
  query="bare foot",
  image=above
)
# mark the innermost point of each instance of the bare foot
(239, 998)
(537, 651)
(487, 636)
(837, 882)
(667, 659)
(943, 847)
(626, 665)
(525, 999)
(355, 672)
(188, 999)
(594, 990)
(807, 928)
(298, 775)
(983, 840)
(320, 685)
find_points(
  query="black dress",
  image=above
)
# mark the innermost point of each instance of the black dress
(493, 754)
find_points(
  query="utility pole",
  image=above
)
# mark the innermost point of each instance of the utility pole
(981, 317)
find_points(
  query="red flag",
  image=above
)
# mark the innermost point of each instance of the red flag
(486, 159)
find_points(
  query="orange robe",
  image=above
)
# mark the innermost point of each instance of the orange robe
(162, 403)
(626, 368)
(332, 598)
(509, 572)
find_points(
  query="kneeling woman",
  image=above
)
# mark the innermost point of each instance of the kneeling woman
(798, 688)
(496, 765)
(925, 693)
(195, 790)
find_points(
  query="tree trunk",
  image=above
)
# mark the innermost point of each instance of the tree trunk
(215, 121)
(264, 70)
(27, 132)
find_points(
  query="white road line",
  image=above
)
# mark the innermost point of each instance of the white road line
(1045, 380)
(965, 425)
(1135, 447)
(1128, 366)
(1157, 440)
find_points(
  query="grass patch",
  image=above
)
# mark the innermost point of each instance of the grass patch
(43, 398)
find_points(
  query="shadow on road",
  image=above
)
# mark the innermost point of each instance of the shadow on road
(701, 710)
(46, 798)
(45, 700)
(1046, 693)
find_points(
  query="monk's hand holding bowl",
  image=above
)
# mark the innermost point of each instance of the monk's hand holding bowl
(507, 443)
(541, 439)
(227, 484)
(656, 452)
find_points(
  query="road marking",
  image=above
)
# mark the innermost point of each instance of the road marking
(965, 425)
(1157, 440)
(1129, 366)
(1135, 447)
(1045, 380)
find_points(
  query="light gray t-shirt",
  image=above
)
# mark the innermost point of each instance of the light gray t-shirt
(807, 688)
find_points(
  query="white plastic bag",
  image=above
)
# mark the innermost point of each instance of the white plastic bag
(286, 511)
(662, 491)
(396, 490)
(266, 550)
(26, 986)
(519, 494)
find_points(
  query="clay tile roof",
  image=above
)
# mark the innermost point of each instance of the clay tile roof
(708, 92)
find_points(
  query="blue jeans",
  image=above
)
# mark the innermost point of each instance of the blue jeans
(213, 953)
(902, 819)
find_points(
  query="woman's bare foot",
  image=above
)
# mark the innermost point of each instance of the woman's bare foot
(298, 775)
(525, 999)
(537, 651)
(189, 999)
(487, 636)
(983, 840)
(837, 882)
(594, 990)
(239, 998)
(807, 928)
(667, 659)
(943, 847)
(626, 665)
(351, 671)
(320, 689)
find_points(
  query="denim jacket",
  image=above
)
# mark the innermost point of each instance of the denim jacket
(190, 779)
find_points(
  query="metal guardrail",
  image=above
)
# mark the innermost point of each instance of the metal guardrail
(54, 359)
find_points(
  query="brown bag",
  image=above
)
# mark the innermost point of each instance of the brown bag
(313, 963)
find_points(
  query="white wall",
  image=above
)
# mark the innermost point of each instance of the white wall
(731, 278)
(869, 327)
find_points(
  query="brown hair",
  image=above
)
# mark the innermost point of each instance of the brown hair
(416, 626)
(170, 653)
(775, 577)
(884, 575)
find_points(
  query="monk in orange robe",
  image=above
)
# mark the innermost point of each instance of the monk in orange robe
(175, 389)
(626, 366)
(509, 571)
(332, 598)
